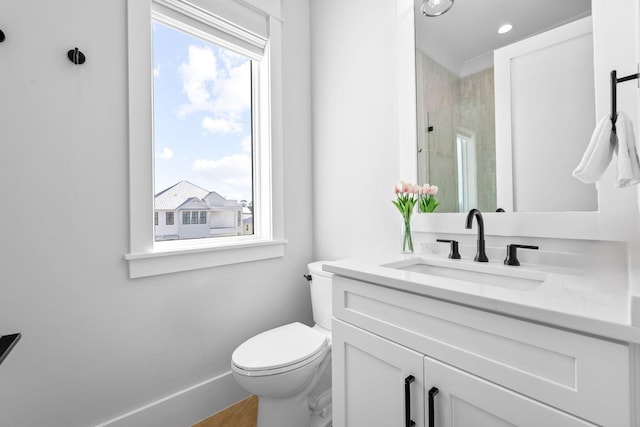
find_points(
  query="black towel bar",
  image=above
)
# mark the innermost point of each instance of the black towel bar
(614, 84)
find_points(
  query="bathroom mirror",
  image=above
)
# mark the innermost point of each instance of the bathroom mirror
(543, 125)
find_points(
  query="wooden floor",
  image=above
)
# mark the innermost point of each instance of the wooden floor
(242, 414)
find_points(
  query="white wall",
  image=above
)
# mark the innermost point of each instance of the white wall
(96, 344)
(358, 122)
(616, 43)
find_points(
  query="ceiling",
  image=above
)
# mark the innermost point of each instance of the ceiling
(463, 39)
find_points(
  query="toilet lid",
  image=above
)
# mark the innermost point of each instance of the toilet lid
(276, 348)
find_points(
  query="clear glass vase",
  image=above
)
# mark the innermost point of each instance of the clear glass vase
(407, 237)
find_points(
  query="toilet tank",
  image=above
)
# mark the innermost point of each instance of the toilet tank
(321, 302)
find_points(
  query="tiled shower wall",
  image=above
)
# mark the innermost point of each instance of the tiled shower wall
(448, 103)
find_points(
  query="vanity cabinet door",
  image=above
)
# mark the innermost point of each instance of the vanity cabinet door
(465, 400)
(370, 380)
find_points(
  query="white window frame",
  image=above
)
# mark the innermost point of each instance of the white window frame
(147, 257)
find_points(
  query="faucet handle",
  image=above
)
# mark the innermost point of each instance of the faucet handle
(453, 254)
(512, 255)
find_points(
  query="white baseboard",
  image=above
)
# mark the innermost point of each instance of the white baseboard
(185, 407)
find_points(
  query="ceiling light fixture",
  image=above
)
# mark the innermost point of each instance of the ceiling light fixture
(505, 28)
(435, 7)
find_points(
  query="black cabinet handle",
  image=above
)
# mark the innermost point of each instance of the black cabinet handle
(432, 393)
(407, 401)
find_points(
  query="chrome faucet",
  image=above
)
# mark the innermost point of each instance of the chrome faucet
(481, 255)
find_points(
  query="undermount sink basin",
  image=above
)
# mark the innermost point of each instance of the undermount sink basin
(482, 274)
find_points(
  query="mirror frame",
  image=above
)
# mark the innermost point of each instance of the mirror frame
(617, 216)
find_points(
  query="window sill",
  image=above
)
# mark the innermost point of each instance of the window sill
(185, 259)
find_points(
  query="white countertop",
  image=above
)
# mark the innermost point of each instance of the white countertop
(574, 299)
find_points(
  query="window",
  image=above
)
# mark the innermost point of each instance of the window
(202, 118)
(168, 218)
(155, 218)
(192, 217)
(233, 33)
(466, 165)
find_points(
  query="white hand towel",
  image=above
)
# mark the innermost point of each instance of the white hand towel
(598, 154)
(628, 164)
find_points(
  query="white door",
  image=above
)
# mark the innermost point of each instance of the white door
(464, 400)
(545, 114)
(371, 378)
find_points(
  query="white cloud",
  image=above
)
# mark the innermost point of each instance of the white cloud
(233, 91)
(156, 71)
(217, 85)
(233, 173)
(166, 154)
(221, 125)
(246, 144)
(196, 75)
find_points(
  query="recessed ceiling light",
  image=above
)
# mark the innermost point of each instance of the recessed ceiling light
(505, 28)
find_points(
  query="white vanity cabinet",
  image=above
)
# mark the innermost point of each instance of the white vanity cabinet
(489, 369)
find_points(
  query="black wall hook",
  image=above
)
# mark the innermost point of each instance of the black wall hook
(76, 56)
(1, 36)
(7, 342)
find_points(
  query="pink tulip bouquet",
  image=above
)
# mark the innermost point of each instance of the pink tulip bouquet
(428, 203)
(406, 198)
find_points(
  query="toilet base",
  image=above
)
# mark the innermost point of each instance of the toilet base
(291, 412)
(302, 410)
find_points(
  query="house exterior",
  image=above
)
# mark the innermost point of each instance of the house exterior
(247, 220)
(187, 211)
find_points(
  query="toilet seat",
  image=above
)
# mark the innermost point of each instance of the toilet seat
(278, 350)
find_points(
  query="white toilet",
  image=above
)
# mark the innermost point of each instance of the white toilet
(289, 367)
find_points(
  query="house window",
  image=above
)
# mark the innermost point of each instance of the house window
(214, 69)
(155, 218)
(203, 218)
(168, 218)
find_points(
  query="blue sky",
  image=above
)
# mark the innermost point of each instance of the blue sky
(202, 114)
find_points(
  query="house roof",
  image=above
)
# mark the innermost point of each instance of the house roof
(193, 204)
(185, 195)
(177, 194)
(214, 199)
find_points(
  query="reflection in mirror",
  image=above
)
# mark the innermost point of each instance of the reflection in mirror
(458, 121)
